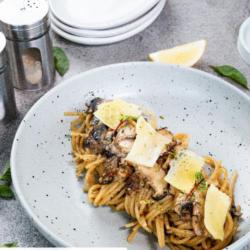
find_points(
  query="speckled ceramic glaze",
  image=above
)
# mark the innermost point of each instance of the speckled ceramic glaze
(214, 113)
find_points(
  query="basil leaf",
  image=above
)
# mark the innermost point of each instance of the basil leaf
(61, 61)
(6, 176)
(231, 73)
(11, 244)
(6, 192)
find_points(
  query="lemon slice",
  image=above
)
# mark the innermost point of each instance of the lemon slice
(186, 54)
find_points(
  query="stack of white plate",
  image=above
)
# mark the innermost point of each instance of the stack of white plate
(97, 22)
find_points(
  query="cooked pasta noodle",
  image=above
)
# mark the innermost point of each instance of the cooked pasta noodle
(154, 215)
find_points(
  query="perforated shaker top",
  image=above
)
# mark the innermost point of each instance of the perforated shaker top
(23, 15)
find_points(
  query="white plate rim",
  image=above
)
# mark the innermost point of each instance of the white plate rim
(109, 40)
(49, 234)
(107, 32)
(107, 25)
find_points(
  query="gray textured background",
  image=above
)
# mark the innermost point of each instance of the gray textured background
(181, 21)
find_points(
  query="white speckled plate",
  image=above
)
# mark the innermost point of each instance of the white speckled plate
(214, 113)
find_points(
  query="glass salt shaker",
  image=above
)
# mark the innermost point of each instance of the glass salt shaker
(26, 26)
(7, 99)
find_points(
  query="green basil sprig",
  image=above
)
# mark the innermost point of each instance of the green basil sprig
(6, 192)
(200, 182)
(5, 178)
(10, 244)
(61, 61)
(231, 73)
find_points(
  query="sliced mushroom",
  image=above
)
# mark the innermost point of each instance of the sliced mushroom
(122, 140)
(125, 138)
(196, 225)
(96, 139)
(184, 207)
(197, 218)
(93, 104)
(155, 178)
(158, 197)
(236, 211)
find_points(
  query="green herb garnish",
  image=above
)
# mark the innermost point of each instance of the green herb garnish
(200, 182)
(173, 154)
(128, 118)
(5, 179)
(11, 244)
(231, 73)
(61, 61)
(147, 202)
(6, 192)
(6, 176)
(162, 117)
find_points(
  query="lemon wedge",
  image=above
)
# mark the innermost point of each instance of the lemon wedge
(186, 54)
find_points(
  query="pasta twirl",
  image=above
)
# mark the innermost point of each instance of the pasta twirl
(175, 218)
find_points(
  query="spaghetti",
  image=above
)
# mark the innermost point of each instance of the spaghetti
(175, 218)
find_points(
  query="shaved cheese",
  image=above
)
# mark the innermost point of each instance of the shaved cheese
(182, 170)
(110, 113)
(150, 117)
(148, 145)
(217, 205)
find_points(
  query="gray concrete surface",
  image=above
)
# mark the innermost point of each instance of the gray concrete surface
(181, 21)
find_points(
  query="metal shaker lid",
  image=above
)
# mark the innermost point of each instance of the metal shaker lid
(24, 19)
(3, 55)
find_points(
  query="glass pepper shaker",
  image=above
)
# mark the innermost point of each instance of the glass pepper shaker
(7, 99)
(26, 26)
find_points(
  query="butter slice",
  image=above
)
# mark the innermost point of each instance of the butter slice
(110, 112)
(217, 205)
(147, 146)
(181, 174)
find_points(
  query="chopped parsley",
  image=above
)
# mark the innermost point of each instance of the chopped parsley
(128, 118)
(146, 202)
(162, 117)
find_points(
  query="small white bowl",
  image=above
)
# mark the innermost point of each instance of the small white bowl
(244, 41)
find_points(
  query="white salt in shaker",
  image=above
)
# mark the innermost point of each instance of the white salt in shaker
(7, 99)
(26, 25)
